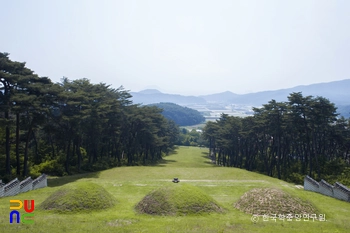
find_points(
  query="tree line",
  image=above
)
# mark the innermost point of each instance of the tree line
(190, 138)
(73, 126)
(287, 140)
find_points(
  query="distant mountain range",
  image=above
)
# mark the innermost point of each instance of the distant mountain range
(337, 92)
(152, 96)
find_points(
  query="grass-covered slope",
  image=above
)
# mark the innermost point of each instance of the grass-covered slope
(129, 185)
(81, 196)
(177, 200)
(267, 201)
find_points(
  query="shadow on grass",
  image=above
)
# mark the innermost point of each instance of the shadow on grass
(162, 163)
(59, 181)
(208, 160)
(173, 151)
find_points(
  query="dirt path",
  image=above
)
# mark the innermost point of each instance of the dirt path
(217, 181)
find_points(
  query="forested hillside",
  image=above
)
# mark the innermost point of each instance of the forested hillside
(73, 126)
(344, 110)
(182, 116)
(287, 140)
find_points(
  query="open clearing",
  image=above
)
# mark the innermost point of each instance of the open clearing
(129, 185)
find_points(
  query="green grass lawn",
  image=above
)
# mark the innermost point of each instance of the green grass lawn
(130, 184)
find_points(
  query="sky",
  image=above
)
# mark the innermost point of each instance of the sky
(189, 47)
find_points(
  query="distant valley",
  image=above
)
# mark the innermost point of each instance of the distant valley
(230, 103)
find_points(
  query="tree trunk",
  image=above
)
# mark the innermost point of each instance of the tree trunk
(67, 157)
(25, 164)
(18, 165)
(7, 144)
(78, 153)
(36, 148)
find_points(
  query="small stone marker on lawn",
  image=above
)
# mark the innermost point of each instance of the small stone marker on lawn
(176, 180)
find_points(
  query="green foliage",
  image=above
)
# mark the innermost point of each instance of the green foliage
(101, 165)
(190, 138)
(337, 171)
(49, 167)
(295, 178)
(344, 177)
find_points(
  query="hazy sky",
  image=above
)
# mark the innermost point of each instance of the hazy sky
(185, 47)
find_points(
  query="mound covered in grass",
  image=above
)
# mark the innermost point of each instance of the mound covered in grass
(179, 199)
(79, 196)
(268, 201)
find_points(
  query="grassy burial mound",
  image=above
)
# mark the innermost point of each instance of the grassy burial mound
(270, 201)
(180, 199)
(79, 196)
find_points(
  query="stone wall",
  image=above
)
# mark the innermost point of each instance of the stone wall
(15, 187)
(40, 182)
(337, 190)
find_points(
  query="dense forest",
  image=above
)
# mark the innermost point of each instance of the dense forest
(73, 126)
(287, 140)
(182, 116)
